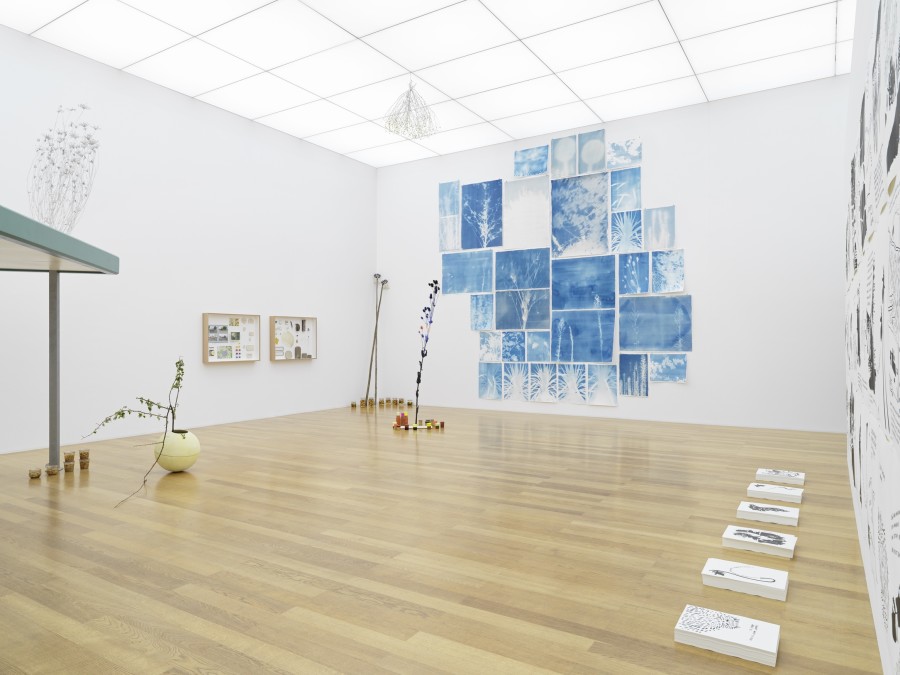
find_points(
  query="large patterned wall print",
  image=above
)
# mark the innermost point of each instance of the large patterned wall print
(577, 291)
(872, 329)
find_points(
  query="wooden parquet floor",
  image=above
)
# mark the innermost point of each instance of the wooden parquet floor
(508, 543)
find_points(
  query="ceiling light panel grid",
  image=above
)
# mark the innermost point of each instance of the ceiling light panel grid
(492, 70)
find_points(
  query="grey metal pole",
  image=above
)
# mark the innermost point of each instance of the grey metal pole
(54, 369)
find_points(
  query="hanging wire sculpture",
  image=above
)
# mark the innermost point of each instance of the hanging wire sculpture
(62, 174)
(410, 116)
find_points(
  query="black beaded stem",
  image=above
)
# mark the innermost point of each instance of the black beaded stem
(424, 331)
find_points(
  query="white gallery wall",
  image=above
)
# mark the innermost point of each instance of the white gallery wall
(872, 212)
(208, 212)
(758, 184)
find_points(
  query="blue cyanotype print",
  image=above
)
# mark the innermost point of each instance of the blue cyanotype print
(490, 381)
(513, 345)
(542, 382)
(634, 273)
(633, 372)
(592, 151)
(626, 190)
(489, 345)
(526, 212)
(571, 383)
(482, 214)
(659, 228)
(668, 368)
(530, 162)
(582, 335)
(523, 309)
(528, 268)
(537, 345)
(515, 382)
(603, 384)
(655, 323)
(467, 272)
(448, 216)
(625, 153)
(584, 283)
(668, 271)
(579, 219)
(563, 157)
(481, 311)
(625, 234)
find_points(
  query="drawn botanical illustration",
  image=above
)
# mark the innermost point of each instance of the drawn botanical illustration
(655, 323)
(448, 216)
(513, 345)
(584, 283)
(781, 473)
(515, 382)
(659, 228)
(542, 382)
(603, 384)
(529, 308)
(626, 234)
(749, 569)
(633, 375)
(668, 368)
(761, 536)
(526, 212)
(782, 488)
(634, 273)
(667, 271)
(626, 189)
(625, 153)
(481, 311)
(490, 381)
(702, 620)
(571, 383)
(583, 336)
(563, 157)
(490, 346)
(468, 272)
(579, 220)
(537, 345)
(482, 214)
(530, 162)
(766, 509)
(592, 151)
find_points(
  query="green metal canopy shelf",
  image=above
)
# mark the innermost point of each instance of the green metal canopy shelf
(29, 246)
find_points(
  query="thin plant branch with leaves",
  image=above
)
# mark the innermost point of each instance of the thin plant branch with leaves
(425, 333)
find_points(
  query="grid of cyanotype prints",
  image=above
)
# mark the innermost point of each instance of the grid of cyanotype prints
(577, 288)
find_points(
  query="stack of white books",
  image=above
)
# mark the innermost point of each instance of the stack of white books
(761, 541)
(768, 513)
(781, 493)
(729, 634)
(781, 476)
(743, 578)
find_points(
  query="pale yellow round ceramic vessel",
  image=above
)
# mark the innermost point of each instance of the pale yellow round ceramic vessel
(180, 452)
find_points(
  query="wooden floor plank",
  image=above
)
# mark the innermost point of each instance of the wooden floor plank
(507, 543)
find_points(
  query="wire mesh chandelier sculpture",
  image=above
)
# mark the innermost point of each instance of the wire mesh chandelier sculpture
(410, 116)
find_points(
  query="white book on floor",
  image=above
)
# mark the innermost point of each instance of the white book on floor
(744, 578)
(768, 513)
(761, 541)
(729, 634)
(780, 493)
(781, 476)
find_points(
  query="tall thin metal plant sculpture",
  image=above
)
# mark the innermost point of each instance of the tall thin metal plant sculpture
(425, 332)
(379, 292)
